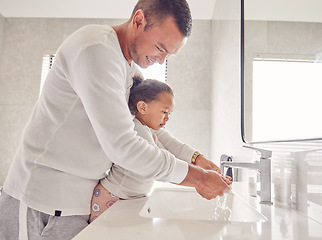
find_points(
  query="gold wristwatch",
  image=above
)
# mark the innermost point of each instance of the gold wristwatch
(194, 157)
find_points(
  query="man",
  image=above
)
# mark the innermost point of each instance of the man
(81, 125)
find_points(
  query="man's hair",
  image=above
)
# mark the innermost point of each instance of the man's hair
(146, 90)
(156, 11)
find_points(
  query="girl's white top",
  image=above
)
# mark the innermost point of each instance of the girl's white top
(80, 125)
(127, 184)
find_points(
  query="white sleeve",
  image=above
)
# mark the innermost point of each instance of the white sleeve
(180, 150)
(145, 133)
(97, 75)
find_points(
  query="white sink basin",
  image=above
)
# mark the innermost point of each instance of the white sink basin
(186, 203)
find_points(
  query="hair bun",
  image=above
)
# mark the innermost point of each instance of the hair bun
(137, 80)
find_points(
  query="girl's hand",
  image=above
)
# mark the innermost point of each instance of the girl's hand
(206, 164)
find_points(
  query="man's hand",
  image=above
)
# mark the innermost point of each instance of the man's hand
(207, 189)
(208, 183)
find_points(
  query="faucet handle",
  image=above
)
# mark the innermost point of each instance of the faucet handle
(263, 152)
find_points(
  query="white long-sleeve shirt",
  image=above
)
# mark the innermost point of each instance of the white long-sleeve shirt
(80, 125)
(126, 184)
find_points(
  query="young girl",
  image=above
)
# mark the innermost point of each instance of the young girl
(151, 102)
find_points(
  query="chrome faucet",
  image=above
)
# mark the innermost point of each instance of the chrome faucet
(263, 166)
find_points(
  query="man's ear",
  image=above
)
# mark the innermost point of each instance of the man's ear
(138, 20)
(142, 107)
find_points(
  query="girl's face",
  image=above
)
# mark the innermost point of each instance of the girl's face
(155, 114)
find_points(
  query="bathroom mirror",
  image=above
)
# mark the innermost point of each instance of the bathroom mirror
(281, 70)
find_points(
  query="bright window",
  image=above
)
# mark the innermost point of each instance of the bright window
(47, 62)
(156, 71)
(302, 81)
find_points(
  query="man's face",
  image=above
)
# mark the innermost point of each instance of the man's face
(156, 43)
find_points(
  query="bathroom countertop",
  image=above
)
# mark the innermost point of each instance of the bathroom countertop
(122, 221)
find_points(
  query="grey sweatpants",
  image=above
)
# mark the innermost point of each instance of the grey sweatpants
(38, 225)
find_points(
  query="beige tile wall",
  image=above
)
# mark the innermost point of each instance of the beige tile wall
(189, 74)
(2, 20)
(225, 95)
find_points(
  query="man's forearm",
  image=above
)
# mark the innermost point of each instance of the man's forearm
(194, 177)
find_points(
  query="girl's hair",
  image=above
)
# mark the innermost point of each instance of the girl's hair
(147, 91)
